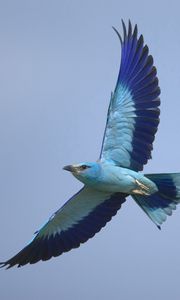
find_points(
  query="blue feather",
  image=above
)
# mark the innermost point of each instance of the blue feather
(133, 106)
(157, 206)
(43, 247)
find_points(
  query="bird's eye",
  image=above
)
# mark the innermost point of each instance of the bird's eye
(84, 167)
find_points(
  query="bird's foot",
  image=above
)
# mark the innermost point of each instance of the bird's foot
(141, 185)
(142, 189)
(140, 192)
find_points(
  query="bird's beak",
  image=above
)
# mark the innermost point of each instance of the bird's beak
(70, 168)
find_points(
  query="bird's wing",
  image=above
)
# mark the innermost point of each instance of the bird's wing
(78, 220)
(133, 114)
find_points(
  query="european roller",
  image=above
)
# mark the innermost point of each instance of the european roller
(132, 122)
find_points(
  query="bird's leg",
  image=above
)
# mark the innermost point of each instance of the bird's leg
(142, 189)
(141, 185)
(140, 192)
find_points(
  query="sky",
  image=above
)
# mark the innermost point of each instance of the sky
(59, 62)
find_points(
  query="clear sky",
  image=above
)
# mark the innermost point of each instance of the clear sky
(59, 62)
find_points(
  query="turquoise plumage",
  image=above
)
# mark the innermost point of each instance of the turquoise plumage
(132, 122)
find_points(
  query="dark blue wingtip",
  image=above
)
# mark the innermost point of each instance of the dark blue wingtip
(118, 34)
(129, 29)
(3, 264)
(159, 227)
(124, 29)
(6, 265)
(135, 33)
(126, 33)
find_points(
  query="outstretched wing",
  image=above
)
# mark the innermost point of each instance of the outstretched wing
(77, 221)
(133, 114)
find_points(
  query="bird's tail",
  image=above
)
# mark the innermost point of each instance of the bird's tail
(160, 204)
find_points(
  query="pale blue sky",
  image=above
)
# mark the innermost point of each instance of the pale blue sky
(58, 64)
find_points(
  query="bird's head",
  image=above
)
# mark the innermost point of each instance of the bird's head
(85, 172)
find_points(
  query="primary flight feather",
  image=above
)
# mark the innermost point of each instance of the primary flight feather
(132, 122)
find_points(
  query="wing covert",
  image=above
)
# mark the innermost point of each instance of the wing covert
(74, 223)
(133, 114)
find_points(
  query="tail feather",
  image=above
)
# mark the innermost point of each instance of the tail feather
(162, 203)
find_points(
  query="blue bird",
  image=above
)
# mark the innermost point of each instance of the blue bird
(132, 122)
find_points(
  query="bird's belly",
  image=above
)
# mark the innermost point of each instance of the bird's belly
(128, 182)
(122, 184)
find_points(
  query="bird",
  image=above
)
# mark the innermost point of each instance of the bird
(132, 122)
